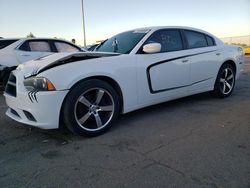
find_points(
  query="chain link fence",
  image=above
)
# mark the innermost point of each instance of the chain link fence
(243, 41)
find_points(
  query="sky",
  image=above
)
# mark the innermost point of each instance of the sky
(105, 18)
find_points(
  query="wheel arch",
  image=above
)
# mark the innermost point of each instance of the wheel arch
(113, 83)
(232, 63)
(216, 90)
(107, 79)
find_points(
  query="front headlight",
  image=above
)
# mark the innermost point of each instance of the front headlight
(38, 84)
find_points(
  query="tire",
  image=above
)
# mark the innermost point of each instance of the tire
(90, 108)
(225, 81)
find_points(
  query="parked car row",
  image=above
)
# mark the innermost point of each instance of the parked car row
(16, 51)
(134, 69)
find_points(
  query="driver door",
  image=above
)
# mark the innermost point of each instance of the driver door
(163, 75)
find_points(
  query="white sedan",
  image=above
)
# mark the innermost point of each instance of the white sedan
(16, 51)
(134, 69)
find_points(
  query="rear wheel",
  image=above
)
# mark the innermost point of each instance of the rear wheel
(225, 81)
(91, 107)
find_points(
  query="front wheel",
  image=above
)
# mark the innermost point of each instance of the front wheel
(225, 81)
(91, 107)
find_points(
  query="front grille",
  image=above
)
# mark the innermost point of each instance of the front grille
(11, 85)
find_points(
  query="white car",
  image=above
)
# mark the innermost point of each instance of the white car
(87, 91)
(16, 51)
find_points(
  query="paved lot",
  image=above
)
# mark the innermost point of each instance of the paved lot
(197, 141)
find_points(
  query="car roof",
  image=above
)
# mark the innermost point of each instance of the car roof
(154, 28)
(36, 39)
(20, 41)
(10, 38)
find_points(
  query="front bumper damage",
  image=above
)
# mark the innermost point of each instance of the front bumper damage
(41, 110)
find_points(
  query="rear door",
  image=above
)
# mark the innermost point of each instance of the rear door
(203, 60)
(33, 49)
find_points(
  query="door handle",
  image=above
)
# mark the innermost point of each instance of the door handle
(184, 60)
(218, 54)
(25, 55)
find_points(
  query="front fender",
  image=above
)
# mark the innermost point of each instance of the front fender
(123, 73)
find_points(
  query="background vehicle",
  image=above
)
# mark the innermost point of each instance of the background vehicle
(91, 47)
(134, 69)
(16, 51)
(247, 51)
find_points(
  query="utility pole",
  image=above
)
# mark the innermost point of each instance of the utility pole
(83, 25)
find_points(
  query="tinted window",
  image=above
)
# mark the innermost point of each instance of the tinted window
(123, 42)
(210, 41)
(5, 43)
(39, 46)
(24, 47)
(195, 39)
(65, 47)
(170, 40)
(35, 46)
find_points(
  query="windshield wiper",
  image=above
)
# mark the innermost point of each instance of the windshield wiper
(100, 44)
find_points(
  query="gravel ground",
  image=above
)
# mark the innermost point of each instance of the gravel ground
(197, 141)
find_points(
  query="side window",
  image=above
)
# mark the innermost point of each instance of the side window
(170, 40)
(39, 46)
(195, 39)
(5, 43)
(210, 41)
(35, 46)
(64, 47)
(25, 46)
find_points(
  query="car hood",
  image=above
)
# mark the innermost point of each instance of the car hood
(34, 67)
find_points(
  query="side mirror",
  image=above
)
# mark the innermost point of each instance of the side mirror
(152, 48)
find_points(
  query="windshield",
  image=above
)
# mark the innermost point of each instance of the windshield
(5, 43)
(122, 43)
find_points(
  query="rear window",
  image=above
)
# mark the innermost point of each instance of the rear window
(39, 46)
(64, 47)
(35, 46)
(5, 43)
